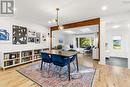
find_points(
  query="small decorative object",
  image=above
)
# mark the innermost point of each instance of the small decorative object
(19, 35)
(4, 35)
(37, 39)
(59, 52)
(71, 46)
(59, 46)
(43, 37)
(31, 36)
(116, 42)
(61, 40)
(48, 34)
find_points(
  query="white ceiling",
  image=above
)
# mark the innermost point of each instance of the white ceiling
(40, 11)
(117, 26)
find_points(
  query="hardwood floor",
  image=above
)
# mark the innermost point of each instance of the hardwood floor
(106, 76)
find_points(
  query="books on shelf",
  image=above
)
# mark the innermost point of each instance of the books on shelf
(8, 56)
(8, 63)
(37, 54)
(26, 53)
(17, 61)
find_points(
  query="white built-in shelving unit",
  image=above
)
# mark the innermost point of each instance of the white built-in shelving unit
(14, 58)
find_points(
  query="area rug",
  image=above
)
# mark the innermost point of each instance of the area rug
(48, 79)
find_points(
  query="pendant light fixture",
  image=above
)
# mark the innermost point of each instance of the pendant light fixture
(56, 20)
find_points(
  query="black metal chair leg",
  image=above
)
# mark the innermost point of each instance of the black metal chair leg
(54, 71)
(49, 68)
(69, 72)
(60, 71)
(41, 64)
(74, 66)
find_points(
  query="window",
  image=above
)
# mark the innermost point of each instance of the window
(85, 41)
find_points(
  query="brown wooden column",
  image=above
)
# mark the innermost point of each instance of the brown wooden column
(51, 39)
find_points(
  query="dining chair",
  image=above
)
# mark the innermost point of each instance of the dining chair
(60, 61)
(73, 58)
(46, 59)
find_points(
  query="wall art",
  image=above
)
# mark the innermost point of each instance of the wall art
(116, 42)
(37, 39)
(44, 37)
(31, 36)
(4, 35)
(19, 35)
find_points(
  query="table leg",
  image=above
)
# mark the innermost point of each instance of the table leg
(69, 71)
(77, 63)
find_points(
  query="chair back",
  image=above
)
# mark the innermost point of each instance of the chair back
(59, 60)
(88, 48)
(45, 57)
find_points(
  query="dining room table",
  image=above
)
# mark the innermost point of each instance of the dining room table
(67, 54)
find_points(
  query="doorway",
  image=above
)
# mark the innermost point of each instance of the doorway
(117, 43)
(84, 40)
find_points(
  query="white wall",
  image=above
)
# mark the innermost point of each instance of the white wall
(69, 39)
(8, 46)
(128, 43)
(123, 52)
(56, 36)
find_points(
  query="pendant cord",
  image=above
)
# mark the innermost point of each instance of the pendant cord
(57, 19)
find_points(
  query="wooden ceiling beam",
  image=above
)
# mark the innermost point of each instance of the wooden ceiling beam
(79, 24)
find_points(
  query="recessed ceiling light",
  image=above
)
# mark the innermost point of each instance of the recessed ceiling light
(116, 26)
(128, 25)
(70, 32)
(85, 30)
(104, 8)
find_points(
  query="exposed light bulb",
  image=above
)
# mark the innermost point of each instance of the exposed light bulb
(54, 20)
(61, 27)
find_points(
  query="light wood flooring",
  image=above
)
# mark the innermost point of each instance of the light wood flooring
(106, 76)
